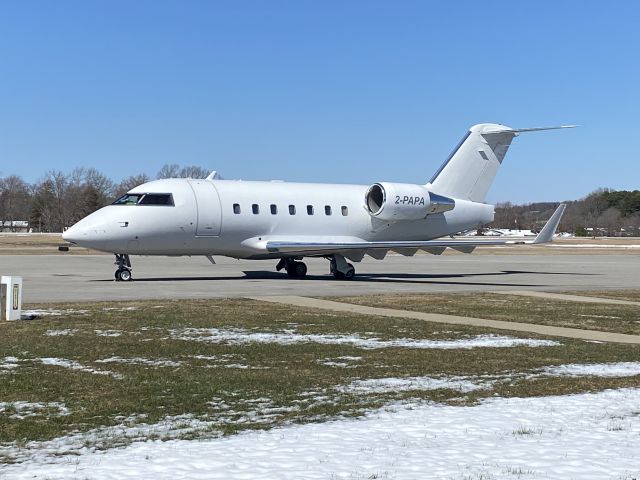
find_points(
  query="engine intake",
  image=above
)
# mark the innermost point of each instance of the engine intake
(404, 201)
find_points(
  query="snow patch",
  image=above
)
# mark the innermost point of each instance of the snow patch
(9, 363)
(73, 365)
(67, 332)
(50, 312)
(578, 436)
(240, 336)
(619, 369)
(108, 333)
(141, 361)
(21, 409)
(339, 362)
(391, 384)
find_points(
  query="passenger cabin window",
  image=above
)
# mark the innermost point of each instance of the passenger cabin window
(345, 211)
(327, 209)
(236, 208)
(309, 209)
(163, 199)
(274, 209)
(255, 208)
(292, 209)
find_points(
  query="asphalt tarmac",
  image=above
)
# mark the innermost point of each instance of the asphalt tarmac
(69, 278)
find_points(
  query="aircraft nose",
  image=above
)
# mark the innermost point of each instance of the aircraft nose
(94, 231)
(72, 234)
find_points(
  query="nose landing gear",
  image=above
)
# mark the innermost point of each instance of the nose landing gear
(123, 273)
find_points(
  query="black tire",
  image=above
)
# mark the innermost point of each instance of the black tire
(124, 275)
(350, 273)
(338, 275)
(300, 269)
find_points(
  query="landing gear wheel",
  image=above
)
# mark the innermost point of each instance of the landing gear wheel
(296, 269)
(350, 273)
(123, 275)
(348, 270)
(300, 269)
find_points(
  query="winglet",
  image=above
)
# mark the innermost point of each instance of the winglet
(549, 229)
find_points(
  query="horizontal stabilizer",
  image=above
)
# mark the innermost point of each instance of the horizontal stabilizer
(522, 130)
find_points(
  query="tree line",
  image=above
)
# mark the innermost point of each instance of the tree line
(59, 199)
(604, 212)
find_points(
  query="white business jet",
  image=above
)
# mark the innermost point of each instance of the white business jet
(290, 221)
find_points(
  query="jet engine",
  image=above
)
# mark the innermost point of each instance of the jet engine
(404, 201)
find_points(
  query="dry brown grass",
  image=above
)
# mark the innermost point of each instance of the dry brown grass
(513, 308)
(632, 295)
(37, 244)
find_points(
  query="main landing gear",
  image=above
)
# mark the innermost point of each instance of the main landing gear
(340, 268)
(294, 268)
(123, 273)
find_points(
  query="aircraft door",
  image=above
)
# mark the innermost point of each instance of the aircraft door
(208, 205)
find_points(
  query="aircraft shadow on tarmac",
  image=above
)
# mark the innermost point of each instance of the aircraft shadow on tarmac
(410, 278)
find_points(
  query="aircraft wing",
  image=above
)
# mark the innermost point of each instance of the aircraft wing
(379, 249)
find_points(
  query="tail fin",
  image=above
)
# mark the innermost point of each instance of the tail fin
(470, 169)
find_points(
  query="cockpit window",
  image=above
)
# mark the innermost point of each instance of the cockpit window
(165, 199)
(128, 199)
(156, 199)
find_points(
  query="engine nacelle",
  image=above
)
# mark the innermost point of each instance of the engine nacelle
(404, 201)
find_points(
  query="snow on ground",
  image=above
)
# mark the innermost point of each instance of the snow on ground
(50, 312)
(141, 361)
(67, 332)
(587, 436)
(73, 365)
(619, 369)
(340, 362)
(22, 409)
(8, 363)
(391, 384)
(289, 337)
(108, 333)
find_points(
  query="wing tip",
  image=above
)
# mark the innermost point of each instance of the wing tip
(549, 229)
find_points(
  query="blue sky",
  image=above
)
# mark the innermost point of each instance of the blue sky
(344, 91)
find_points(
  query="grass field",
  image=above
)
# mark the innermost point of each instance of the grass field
(557, 313)
(206, 368)
(36, 244)
(630, 294)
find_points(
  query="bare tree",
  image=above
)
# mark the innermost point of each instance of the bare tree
(128, 183)
(175, 171)
(194, 172)
(169, 171)
(15, 200)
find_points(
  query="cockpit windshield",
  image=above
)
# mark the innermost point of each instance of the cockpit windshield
(165, 199)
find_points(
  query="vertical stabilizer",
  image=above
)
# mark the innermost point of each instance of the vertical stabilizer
(470, 169)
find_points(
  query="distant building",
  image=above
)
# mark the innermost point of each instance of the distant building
(14, 226)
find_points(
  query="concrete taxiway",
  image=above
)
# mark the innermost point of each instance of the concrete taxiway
(63, 278)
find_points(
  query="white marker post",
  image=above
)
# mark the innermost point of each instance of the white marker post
(10, 298)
